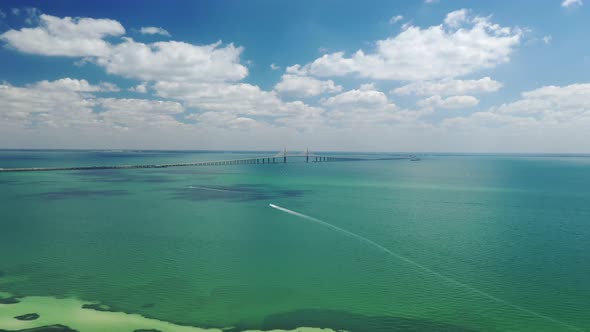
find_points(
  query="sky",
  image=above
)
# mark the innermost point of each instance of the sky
(392, 76)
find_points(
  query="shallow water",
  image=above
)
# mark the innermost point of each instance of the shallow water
(201, 247)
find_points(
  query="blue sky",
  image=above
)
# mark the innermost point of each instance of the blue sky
(487, 76)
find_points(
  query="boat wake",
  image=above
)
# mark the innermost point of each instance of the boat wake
(424, 268)
(215, 189)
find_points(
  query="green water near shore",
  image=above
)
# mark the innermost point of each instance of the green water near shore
(200, 246)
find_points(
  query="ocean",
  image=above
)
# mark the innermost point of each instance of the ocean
(447, 243)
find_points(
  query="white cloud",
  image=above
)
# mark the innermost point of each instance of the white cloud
(76, 85)
(305, 86)
(547, 39)
(136, 106)
(487, 119)
(365, 96)
(154, 31)
(425, 54)
(222, 111)
(138, 114)
(296, 69)
(449, 87)
(240, 98)
(364, 105)
(109, 87)
(200, 76)
(571, 3)
(65, 36)
(274, 66)
(395, 19)
(171, 60)
(551, 107)
(226, 120)
(15, 11)
(57, 104)
(548, 119)
(453, 102)
(241, 102)
(140, 88)
(457, 18)
(71, 103)
(431, 1)
(174, 61)
(564, 103)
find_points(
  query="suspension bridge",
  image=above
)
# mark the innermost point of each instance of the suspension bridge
(278, 158)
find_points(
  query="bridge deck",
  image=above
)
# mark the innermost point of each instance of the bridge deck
(280, 158)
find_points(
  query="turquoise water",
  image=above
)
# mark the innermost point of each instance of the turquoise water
(503, 240)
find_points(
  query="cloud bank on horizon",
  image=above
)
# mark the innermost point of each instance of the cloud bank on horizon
(449, 85)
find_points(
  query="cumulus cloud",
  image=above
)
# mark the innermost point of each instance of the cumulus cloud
(154, 31)
(395, 19)
(141, 105)
(365, 96)
(46, 104)
(365, 105)
(274, 66)
(203, 77)
(296, 69)
(556, 124)
(66, 36)
(457, 18)
(140, 88)
(453, 102)
(175, 61)
(449, 87)
(68, 103)
(551, 118)
(436, 52)
(76, 85)
(225, 120)
(131, 113)
(238, 99)
(571, 3)
(305, 86)
(555, 102)
(200, 84)
(238, 105)
(172, 60)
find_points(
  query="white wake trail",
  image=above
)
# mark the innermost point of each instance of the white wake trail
(215, 189)
(424, 268)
